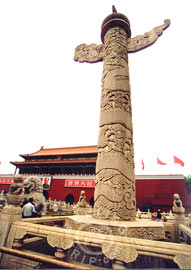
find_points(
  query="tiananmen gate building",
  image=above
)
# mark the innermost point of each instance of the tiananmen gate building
(72, 169)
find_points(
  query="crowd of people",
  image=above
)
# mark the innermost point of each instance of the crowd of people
(156, 216)
(29, 209)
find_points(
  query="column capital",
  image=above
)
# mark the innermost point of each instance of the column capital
(115, 19)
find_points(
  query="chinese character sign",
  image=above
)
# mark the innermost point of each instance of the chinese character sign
(79, 183)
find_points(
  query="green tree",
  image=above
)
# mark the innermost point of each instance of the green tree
(188, 183)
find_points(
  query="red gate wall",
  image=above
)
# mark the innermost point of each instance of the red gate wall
(151, 191)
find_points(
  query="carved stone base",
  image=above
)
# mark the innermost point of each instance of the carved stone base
(142, 229)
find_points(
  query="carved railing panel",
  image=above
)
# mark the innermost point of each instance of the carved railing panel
(119, 248)
(184, 234)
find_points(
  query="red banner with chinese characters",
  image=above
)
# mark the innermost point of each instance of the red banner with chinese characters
(6, 180)
(80, 183)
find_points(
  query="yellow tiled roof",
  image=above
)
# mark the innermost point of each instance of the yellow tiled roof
(64, 151)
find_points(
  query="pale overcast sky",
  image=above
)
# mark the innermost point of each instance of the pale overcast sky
(49, 100)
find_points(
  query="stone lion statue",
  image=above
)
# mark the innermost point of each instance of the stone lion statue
(16, 192)
(17, 185)
(34, 189)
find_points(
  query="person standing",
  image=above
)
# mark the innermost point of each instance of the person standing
(29, 209)
(158, 216)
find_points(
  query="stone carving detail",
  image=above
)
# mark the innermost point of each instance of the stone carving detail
(115, 189)
(3, 231)
(16, 192)
(34, 189)
(115, 99)
(142, 41)
(94, 53)
(59, 241)
(115, 56)
(147, 233)
(89, 53)
(82, 200)
(96, 229)
(151, 233)
(114, 195)
(116, 139)
(120, 252)
(183, 261)
(70, 224)
(82, 204)
(179, 216)
(177, 205)
(17, 185)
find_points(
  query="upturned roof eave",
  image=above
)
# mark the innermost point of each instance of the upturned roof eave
(52, 162)
(76, 150)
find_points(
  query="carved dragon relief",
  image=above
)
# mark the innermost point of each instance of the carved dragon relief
(116, 139)
(94, 53)
(113, 210)
(115, 185)
(114, 195)
(89, 53)
(114, 100)
(143, 41)
(114, 192)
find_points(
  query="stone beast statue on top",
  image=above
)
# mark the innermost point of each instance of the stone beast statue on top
(34, 189)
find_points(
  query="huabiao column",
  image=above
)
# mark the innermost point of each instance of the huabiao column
(115, 180)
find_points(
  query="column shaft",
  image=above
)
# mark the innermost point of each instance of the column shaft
(115, 181)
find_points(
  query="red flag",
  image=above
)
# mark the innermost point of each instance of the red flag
(160, 162)
(143, 165)
(178, 161)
